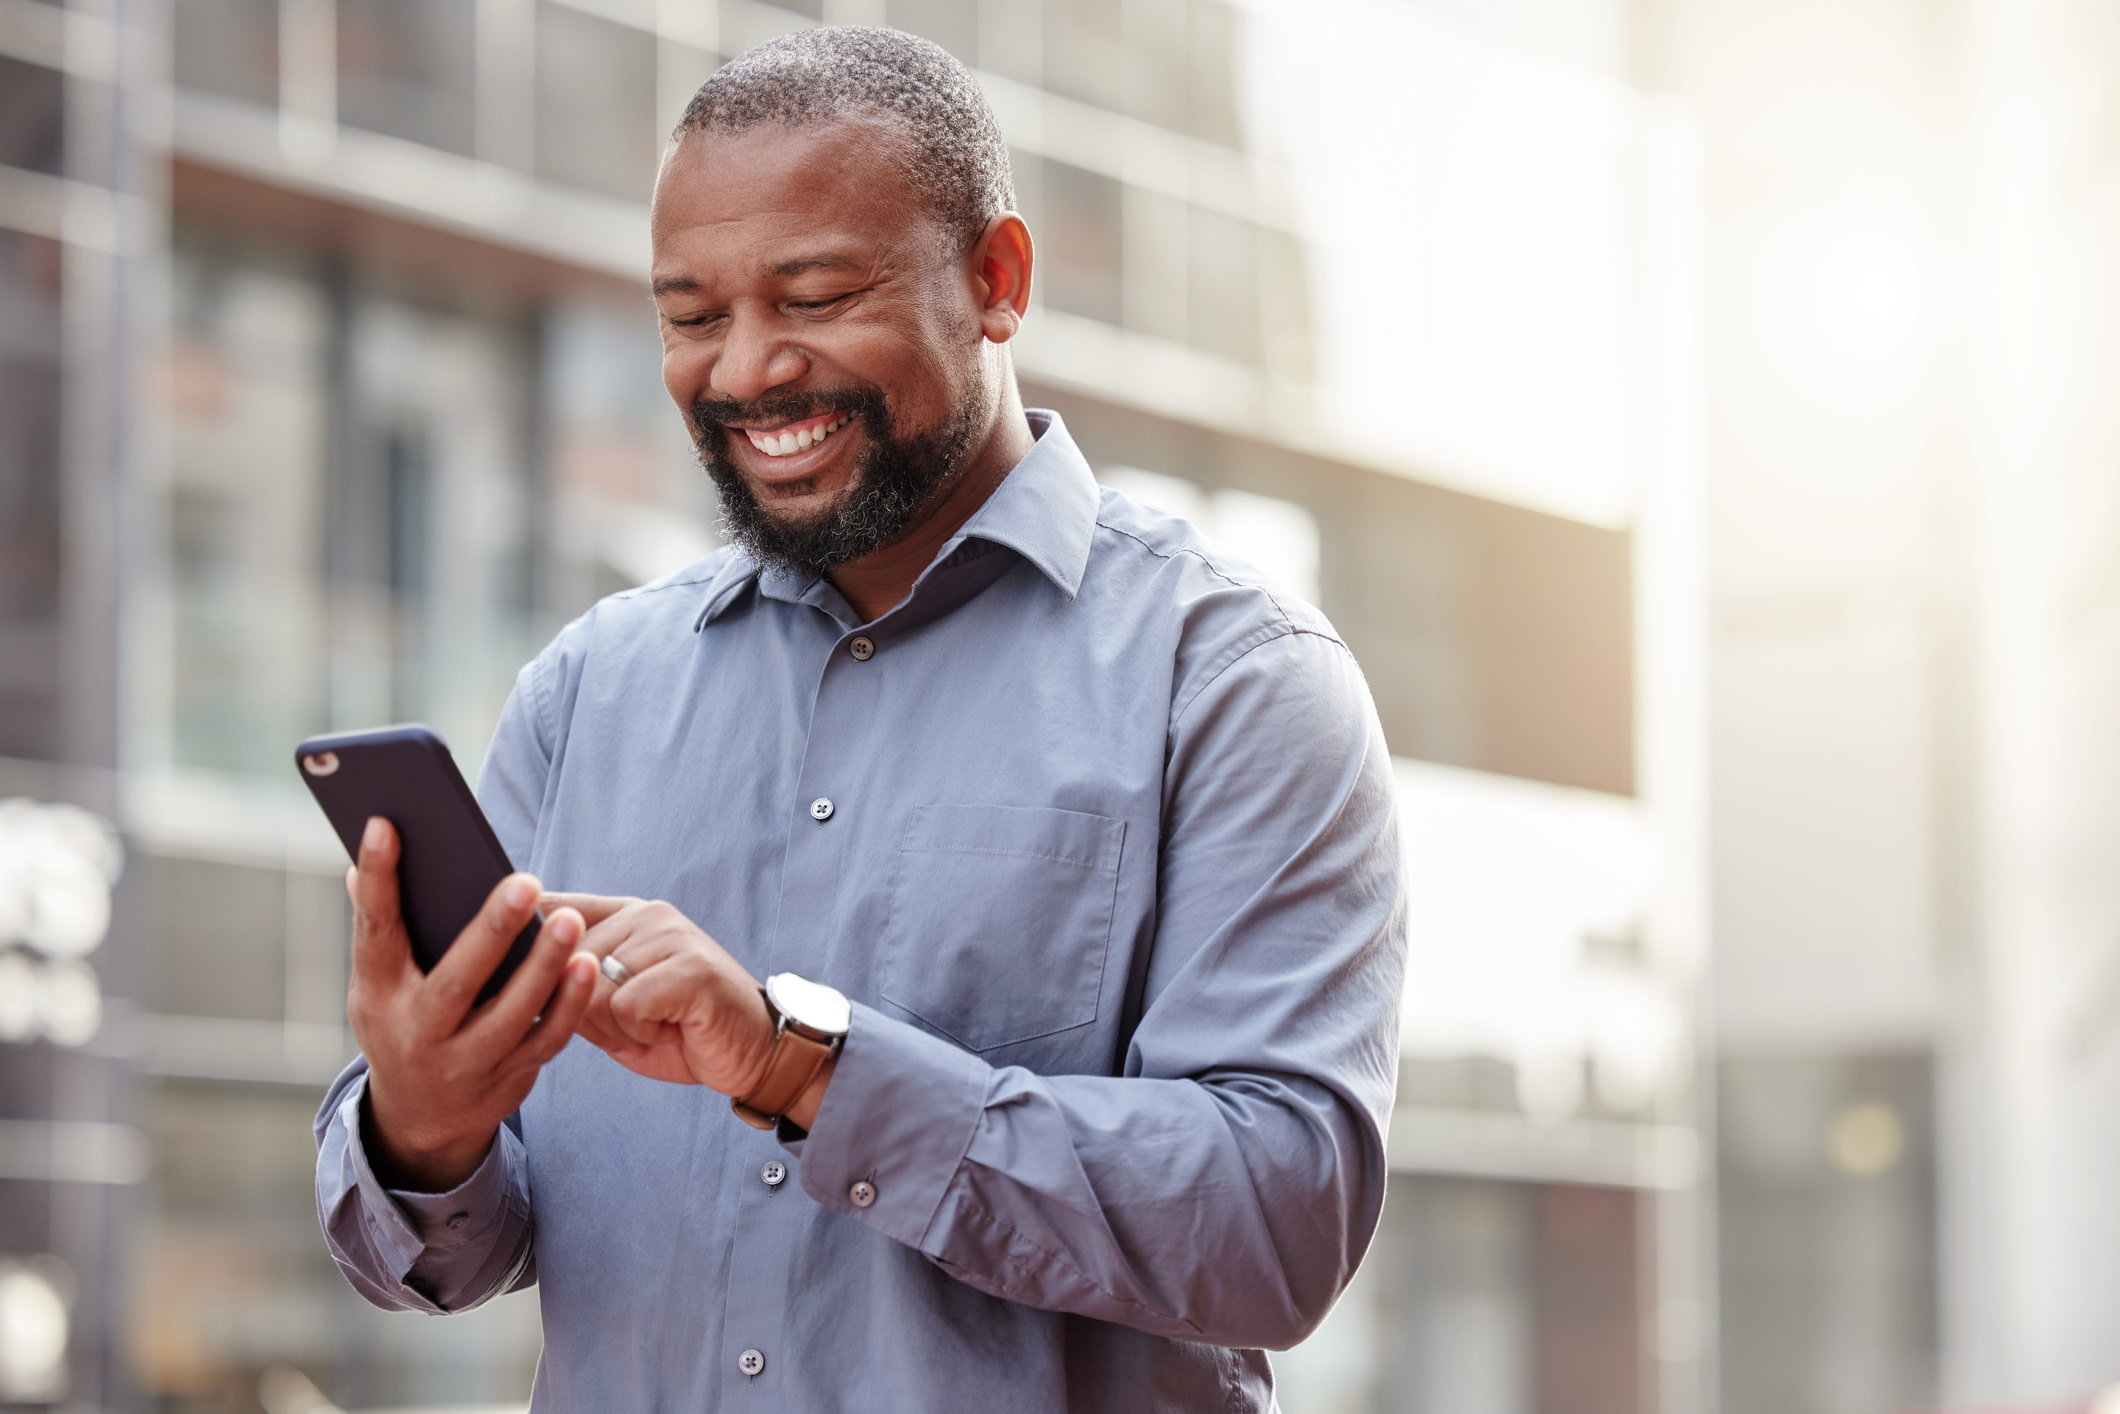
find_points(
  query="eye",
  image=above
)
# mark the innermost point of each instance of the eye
(826, 304)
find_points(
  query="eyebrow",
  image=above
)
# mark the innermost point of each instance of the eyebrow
(803, 264)
(800, 265)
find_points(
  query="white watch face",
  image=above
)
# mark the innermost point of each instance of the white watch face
(810, 1004)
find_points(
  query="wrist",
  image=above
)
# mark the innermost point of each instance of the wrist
(803, 1113)
(763, 1027)
(810, 1021)
(406, 1165)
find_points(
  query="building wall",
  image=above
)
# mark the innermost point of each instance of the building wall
(1834, 142)
(2033, 1297)
(1911, 283)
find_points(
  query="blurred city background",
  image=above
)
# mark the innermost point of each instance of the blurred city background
(1701, 417)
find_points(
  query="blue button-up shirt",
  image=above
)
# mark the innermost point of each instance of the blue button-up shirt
(1111, 877)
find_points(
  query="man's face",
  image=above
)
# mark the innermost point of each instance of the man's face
(820, 333)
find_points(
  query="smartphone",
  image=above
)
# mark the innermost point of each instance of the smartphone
(448, 857)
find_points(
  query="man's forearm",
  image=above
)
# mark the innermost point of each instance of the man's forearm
(412, 1251)
(1230, 1211)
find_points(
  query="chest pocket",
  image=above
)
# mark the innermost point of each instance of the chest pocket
(1001, 918)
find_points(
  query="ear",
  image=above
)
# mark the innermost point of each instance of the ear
(1000, 264)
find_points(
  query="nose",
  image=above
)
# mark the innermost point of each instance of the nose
(755, 358)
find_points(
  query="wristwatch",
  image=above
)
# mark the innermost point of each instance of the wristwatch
(810, 1022)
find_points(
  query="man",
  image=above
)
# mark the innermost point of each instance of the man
(1066, 848)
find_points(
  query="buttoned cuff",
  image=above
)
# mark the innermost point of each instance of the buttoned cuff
(470, 1210)
(406, 1224)
(893, 1127)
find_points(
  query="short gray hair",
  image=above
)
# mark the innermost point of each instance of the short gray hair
(959, 159)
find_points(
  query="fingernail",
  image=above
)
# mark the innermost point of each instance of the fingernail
(372, 833)
(584, 955)
(567, 927)
(521, 890)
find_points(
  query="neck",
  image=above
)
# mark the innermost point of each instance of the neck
(876, 582)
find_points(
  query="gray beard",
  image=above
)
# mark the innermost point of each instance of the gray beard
(895, 479)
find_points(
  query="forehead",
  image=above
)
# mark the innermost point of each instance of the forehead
(729, 204)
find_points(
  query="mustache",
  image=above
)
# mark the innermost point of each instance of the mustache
(867, 403)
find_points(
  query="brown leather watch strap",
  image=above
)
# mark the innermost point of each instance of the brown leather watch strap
(791, 1067)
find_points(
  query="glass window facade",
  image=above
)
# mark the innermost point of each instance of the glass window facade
(1222, 267)
(406, 68)
(233, 1291)
(628, 499)
(1085, 52)
(32, 116)
(230, 48)
(1081, 238)
(596, 119)
(30, 565)
(1211, 97)
(1167, 62)
(430, 519)
(351, 511)
(1828, 1241)
(251, 424)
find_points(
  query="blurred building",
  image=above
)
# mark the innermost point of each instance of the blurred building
(329, 390)
(1910, 247)
(1842, 604)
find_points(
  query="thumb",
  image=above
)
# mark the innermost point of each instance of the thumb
(382, 950)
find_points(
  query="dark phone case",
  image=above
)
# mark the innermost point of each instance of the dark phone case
(448, 857)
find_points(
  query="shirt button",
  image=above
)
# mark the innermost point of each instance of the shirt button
(820, 810)
(457, 1221)
(751, 1362)
(774, 1173)
(863, 649)
(862, 1193)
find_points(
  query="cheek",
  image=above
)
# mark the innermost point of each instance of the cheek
(952, 343)
(684, 369)
(921, 363)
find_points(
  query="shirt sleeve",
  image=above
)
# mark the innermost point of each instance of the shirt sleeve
(1224, 1186)
(511, 784)
(432, 1252)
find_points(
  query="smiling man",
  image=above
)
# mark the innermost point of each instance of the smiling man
(1021, 870)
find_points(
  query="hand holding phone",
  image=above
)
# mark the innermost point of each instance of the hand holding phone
(444, 1073)
(458, 995)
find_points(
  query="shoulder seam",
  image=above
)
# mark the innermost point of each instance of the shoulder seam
(1244, 648)
(1210, 566)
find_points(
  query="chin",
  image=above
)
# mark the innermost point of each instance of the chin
(795, 506)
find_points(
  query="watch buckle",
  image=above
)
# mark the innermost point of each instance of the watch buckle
(752, 1117)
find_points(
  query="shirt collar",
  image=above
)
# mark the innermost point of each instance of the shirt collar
(1045, 510)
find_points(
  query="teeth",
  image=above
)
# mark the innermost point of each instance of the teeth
(788, 443)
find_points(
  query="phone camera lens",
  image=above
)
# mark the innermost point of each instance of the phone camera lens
(322, 763)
